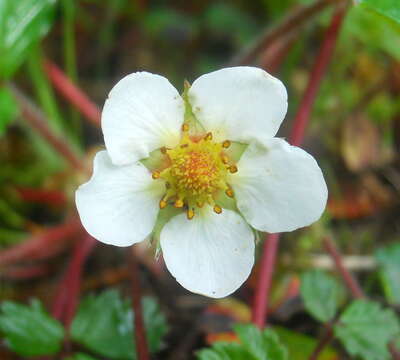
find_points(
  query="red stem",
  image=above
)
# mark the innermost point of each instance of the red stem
(38, 122)
(347, 277)
(268, 259)
(325, 340)
(72, 93)
(42, 245)
(50, 197)
(296, 137)
(66, 299)
(139, 329)
(323, 58)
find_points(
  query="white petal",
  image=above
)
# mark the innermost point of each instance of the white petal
(240, 103)
(119, 204)
(212, 254)
(143, 112)
(279, 187)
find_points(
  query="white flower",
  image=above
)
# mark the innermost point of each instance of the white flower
(213, 172)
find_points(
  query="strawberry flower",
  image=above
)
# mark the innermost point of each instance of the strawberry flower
(199, 173)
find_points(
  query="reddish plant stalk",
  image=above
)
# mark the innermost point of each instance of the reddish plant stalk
(325, 340)
(50, 197)
(38, 122)
(347, 277)
(139, 329)
(72, 93)
(42, 245)
(323, 58)
(298, 17)
(268, 257)
(66, 299)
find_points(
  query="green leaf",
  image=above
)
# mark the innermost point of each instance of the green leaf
(22, 23)
(321, 294)
(372, 30)
(300, 346)
(388, 8)
(8, 109)
(365, 330)
(225, 351)
(263, 345)
(388, 259)
(255, 345)
(29, 330)
(80, 356)
(104, 325)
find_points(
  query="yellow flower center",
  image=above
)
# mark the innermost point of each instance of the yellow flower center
(196, 171)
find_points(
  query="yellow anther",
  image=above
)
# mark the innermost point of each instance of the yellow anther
(184, 146)
(217, 209)
(208, 136)
(163, 204)
(233, 169)
(185, 127)
(229, 192)
(155, 175)
(178, 203)
(224, 159)
(190, 214)
(200, 204)
(226, 144)
(163, 150)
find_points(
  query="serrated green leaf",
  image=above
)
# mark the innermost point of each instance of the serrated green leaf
(365, 329)
(300, 346)
(321, 294)
(389, 261)
(29, 330)
(8, 109)
(254, 345)
(104, 325)
(225, 351)
(388, 8)
(22, 23)
(263, 345)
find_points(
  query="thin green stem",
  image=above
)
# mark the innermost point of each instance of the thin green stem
(69, 10)
(44, 91)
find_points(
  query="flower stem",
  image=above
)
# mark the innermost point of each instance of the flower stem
(324, 341)
(323, 58)
(38, 121)
(347, 277)
(42, 245)
(72, 93)
(139, 329)
(66, 299)
(298, 17)
(268, 257)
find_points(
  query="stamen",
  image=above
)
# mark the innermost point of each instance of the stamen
(155, 175)
(233, 169)
(184, 146)
(226, 144)
(163, 150)
(185, 127)
(190, 214)
(178, 203)
(208, 136)
(217, 209)
(163, 204)
(224, 159)
(229, 192)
